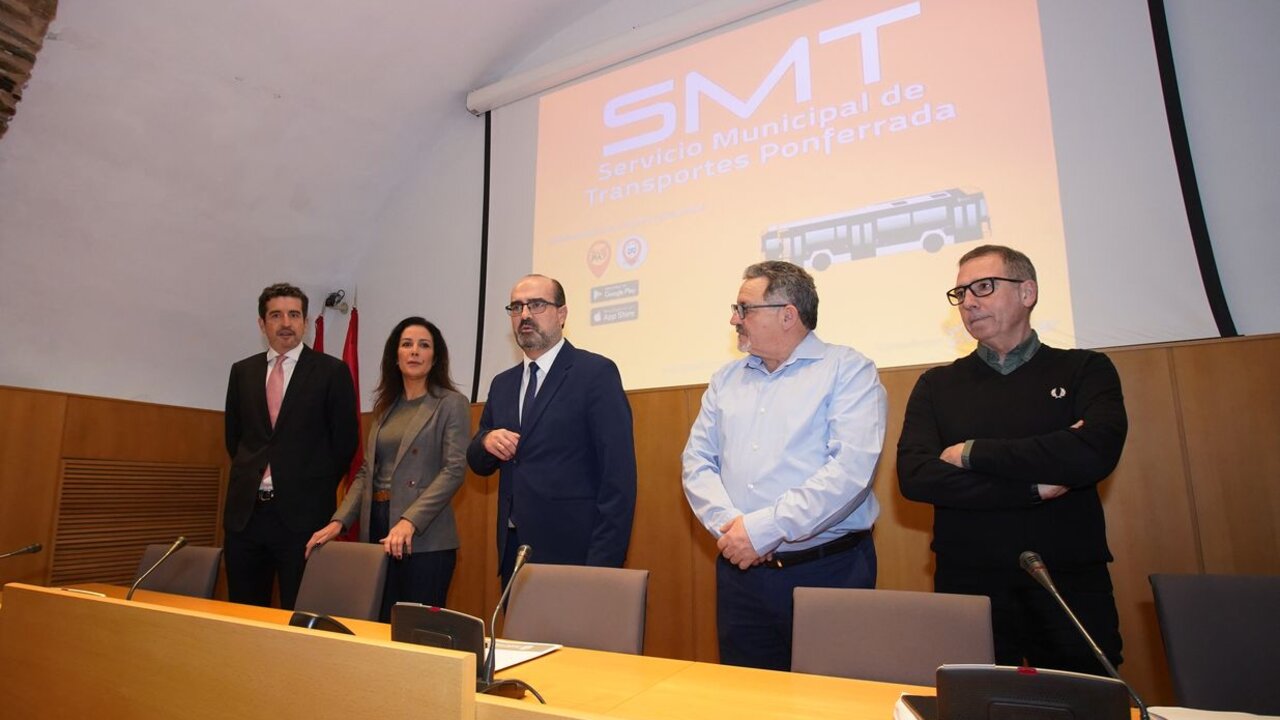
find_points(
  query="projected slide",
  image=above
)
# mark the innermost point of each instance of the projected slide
(871, 142)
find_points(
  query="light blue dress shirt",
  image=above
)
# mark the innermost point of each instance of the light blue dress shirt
(794, 451)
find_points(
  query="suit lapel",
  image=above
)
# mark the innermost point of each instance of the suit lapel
(259, 394)
(550, 386)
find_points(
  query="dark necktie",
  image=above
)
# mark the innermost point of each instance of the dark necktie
(530, 392)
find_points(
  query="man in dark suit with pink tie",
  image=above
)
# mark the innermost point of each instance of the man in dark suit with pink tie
(558, 426)
(291, 430)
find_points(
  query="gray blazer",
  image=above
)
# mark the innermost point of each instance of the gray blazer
(429, 469)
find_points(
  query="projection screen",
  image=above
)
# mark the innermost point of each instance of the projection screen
(873, 142)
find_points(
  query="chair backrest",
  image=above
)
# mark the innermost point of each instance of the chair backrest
(1222, 640)
(588, 607)
(192, 570)
(344, 579)
(888, 635)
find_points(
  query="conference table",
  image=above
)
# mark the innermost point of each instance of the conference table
(589, 683)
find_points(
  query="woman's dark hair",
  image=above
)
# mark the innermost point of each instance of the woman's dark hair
(391, 383)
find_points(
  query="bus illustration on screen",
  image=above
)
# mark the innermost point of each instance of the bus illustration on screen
(923, 222)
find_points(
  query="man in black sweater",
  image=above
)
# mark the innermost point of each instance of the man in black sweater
(1009, 444)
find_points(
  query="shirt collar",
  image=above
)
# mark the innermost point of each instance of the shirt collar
(545, 359)
(293, 354)
(1016, 358)
(810, 348)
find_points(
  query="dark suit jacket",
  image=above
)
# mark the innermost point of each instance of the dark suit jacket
(571, 487)
(309, 450)
(426, 472)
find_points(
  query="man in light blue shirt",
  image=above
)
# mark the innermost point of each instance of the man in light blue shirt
(779, 465)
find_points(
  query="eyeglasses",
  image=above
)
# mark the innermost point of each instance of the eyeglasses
(536, 306)
(979, 288)
(743, 308)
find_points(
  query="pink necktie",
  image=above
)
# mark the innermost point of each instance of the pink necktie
(275, 389)
(275, 396)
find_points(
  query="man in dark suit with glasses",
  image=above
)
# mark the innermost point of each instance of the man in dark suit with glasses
(558, 428)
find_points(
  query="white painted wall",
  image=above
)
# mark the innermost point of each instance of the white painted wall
(1227, 60)
(169, 160)
(426, 258)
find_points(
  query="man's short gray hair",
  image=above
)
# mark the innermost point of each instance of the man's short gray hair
(1018, 264)
(790, 283)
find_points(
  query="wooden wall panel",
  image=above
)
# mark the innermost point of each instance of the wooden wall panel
(905, 528)
(42, 430)
(1229, 399)
(1148, 511)
(30, 445)
(660, 540)
(475, 579)
(110, 510)
(705, 646)
(105, 429)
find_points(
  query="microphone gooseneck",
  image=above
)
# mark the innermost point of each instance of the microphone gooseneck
(1032, 563)
(486, 683)
(490, 660)
(175, 547)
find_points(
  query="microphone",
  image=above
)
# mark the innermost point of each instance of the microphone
(31, 549)
(175, 547)
(513, 687)
(1035, 567)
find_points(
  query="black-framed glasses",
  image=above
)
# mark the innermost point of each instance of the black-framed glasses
(537, 306)
(743, 308)
(979, 288)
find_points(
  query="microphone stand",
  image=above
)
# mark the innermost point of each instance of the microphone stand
(1035, 567)
(175, 547)
(512, 687)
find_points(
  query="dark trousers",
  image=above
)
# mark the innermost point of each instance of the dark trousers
(421, 577)
(754, 606)
(264, 551)
(507, 558)
(1028, 623)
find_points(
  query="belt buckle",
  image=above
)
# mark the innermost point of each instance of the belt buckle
(266, 495)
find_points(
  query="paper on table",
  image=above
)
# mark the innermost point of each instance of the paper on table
(1181, 713)
(904, 711)
(514, 652)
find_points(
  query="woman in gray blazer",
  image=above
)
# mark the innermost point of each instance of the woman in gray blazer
(414, 461)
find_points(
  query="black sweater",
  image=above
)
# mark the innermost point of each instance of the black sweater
(985, 516)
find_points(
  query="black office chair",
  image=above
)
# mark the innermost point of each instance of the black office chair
(1222, 640)
(192, 570)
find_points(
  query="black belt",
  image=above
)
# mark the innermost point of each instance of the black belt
(266, 495)
(847, 541)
